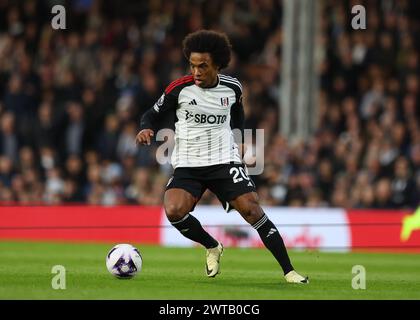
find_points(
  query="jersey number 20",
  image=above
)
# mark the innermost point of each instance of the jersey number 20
(236, 172)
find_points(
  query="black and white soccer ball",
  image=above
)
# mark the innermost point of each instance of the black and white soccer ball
(124, 261)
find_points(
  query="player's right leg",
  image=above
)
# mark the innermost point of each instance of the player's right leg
(178, 204)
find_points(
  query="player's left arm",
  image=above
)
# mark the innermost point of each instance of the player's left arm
(237, 120)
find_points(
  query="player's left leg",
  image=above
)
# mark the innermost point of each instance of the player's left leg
(247, 205)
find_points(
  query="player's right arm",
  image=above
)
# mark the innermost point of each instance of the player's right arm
(144, 136)
(149, 120)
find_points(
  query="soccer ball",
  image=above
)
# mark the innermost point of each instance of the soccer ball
(124, 261)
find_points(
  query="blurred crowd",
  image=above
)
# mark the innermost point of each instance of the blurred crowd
(71, 100)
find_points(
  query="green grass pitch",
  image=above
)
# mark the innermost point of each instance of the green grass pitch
(178, 273)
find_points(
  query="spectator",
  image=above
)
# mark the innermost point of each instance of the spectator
(108, 140)
(44, 131)
(6, 171)
(9, 141)
(75, 130)
(403, 187)
(383, 194)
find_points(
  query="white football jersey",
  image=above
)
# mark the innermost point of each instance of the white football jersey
(203, 134)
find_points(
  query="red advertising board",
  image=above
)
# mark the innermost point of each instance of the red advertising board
(329, 229)
(382, 230)
(82, 223)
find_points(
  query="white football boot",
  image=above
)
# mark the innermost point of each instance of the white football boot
(213, 260)
(294, 277)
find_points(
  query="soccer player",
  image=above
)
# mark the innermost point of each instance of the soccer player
(207, 107)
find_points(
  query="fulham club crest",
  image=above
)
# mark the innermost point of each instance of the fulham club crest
(224, 101)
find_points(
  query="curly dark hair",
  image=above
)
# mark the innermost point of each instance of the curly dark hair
(217, 44)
